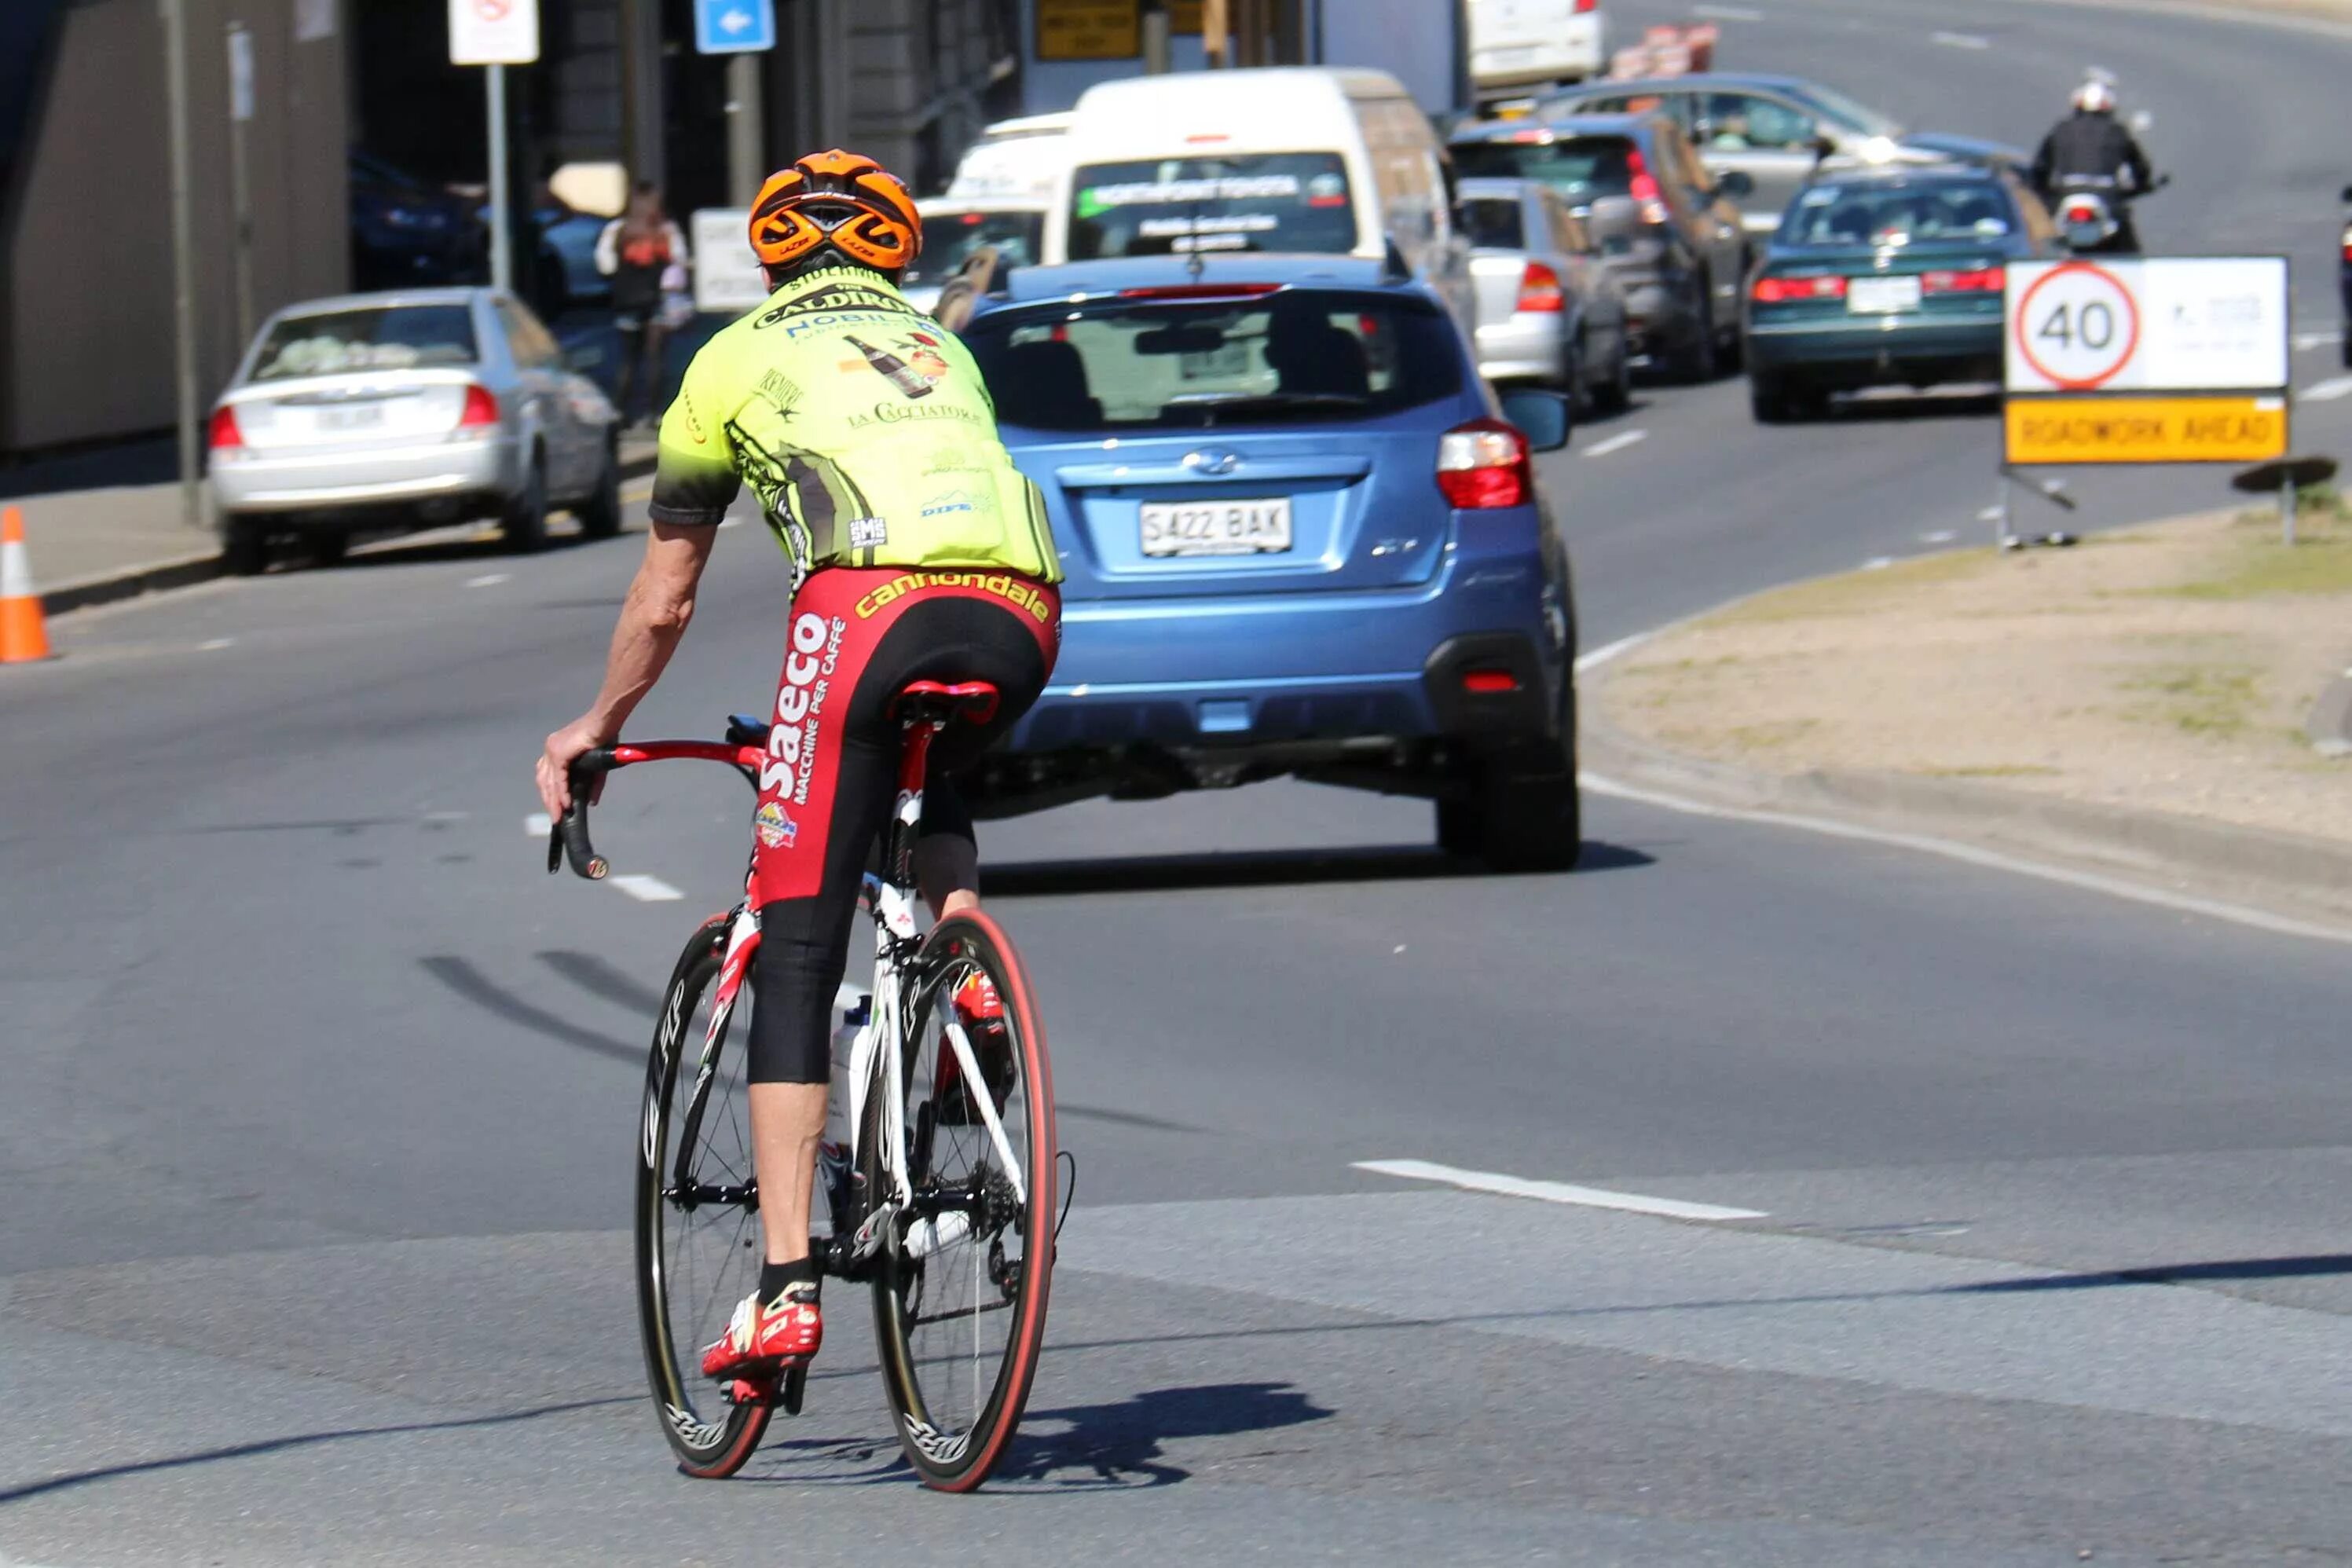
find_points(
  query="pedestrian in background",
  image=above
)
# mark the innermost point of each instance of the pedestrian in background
(644, 254)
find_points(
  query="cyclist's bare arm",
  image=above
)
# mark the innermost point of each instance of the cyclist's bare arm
(653, 619)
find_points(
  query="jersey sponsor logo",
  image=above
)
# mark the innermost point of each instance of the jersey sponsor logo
(782, 393)
(900, 412)
(869, 533)
(1016, 591)
(953, 502)
(693, 420)
(800, 705)
(863, 300)
(774, 826)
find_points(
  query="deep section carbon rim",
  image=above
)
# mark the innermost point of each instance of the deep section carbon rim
(697, 1214)
(960, 1295)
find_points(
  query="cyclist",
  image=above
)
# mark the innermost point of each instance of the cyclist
(918, 551)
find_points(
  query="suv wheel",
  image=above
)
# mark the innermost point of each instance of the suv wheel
(1522, 812)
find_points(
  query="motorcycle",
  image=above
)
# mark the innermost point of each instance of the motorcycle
(2091, 213)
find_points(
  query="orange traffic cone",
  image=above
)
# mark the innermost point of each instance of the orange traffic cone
(23, 635)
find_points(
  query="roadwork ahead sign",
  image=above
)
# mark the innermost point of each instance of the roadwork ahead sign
(2087, 340)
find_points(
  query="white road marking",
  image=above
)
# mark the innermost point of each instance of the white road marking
(1551, 1191)
(1990, 514)
(1960, 40)
(1878, 564)
(536, 825)
(216, 644)
(1727, 13)
(1951, 850)
(488, 579)
(1617, 442)
(1941, 536)
(731, 523)
(1608, 651)
(2306, 341)
(646, 889)
(2327, 391)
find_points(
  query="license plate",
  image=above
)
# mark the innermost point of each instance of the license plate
(1217, 528)
(358, 417)
(1881, 296)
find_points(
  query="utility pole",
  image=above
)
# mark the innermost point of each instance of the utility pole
(183, 257)
(1158, 58)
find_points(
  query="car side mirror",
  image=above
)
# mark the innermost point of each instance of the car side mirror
(1542, 416)
(1824, 145)
(1736, 183)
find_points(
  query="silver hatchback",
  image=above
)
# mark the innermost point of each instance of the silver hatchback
(418, 408)
(1549, 309)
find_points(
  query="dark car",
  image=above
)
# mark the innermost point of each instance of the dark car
(1665, 224)
(1771, 128)
(1297, 540)
(1888, 275)
(407, 234)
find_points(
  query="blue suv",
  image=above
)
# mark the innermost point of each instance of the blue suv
(1298, 540)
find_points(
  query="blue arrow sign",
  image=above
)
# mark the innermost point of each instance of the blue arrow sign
(734, 26)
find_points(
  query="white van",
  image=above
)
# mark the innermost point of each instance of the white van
(1291, 159)
(1014, 161)
(1520, 47)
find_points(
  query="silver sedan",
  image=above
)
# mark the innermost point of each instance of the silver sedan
(418, 408)
(1549, 309)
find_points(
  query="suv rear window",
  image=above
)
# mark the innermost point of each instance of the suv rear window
(380, 337)
(1280, 201)
(1299, 357)
(1492, 221)
(1578, 167)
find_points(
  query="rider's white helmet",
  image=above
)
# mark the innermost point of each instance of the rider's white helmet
(2095, 97)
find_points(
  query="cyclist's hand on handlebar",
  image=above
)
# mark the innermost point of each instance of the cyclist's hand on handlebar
(564, 747)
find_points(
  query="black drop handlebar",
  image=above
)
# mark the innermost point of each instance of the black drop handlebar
(567, 835)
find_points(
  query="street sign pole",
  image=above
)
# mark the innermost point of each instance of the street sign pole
(183, 258)
(746, 130)
(501, 227)
(240, 184)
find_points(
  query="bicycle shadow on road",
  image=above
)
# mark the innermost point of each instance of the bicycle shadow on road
(1123, 1445)
(1263, 868)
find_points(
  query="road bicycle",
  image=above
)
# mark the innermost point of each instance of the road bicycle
(945, 1201)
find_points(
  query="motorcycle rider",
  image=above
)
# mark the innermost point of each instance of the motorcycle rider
(2089, 149)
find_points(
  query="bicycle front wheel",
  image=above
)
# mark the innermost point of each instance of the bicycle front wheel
(698, 1213)
(960, 1284)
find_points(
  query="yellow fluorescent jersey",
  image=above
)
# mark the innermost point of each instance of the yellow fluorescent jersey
(863, 427)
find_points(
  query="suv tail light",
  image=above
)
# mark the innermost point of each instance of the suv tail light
(481, 408)
(223, 436)
(1540, 289)
(1980, 281)
(1643, 189)
(1483, 465)
(1784, 290)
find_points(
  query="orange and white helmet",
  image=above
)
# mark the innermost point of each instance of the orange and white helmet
(844, 201)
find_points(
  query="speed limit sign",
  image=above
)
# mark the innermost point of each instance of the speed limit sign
(2076, 327)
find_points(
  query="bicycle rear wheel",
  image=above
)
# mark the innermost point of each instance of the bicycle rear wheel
(961, 1285)
(698, 1215)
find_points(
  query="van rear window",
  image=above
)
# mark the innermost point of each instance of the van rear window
(1275, 201)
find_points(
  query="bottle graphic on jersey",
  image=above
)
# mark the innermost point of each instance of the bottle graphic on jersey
(894, 370)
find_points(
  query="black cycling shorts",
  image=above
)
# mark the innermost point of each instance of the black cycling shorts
(858, 637)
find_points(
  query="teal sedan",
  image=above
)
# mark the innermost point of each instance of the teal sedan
(1886, 276)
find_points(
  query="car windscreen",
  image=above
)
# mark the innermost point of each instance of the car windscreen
(1299, 357)
(379, 337)
(1580, 168)
(949, 238)
(1492, 221)
(1277, 200)
(1888, 214)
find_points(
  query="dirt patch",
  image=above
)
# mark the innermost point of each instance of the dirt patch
(2170, 668)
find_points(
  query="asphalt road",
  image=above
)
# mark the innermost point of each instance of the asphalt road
(319, 1095)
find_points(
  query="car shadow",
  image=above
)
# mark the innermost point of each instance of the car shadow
(1264, 868)
(1936, 403)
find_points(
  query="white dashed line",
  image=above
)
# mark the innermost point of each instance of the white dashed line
(1878, 564)
(216, 644)
(1727, 13)
(1960, 40)
(2306, 341)
(1941, 536)
(536, 825)
(487, 579)
(1617, 442)
(646, 889)
(1990, 514)
(1551, 1191)
(2327, 391)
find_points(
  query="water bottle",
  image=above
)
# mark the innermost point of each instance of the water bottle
(926, 1236)
(833, 1150)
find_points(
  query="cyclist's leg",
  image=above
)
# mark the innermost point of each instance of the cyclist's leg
(947, 856)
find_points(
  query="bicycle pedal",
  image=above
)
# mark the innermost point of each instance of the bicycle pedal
(748, 1391)
(796, 1387)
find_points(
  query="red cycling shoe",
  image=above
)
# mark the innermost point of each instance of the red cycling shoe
(762, 1337)
(980, 1011)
